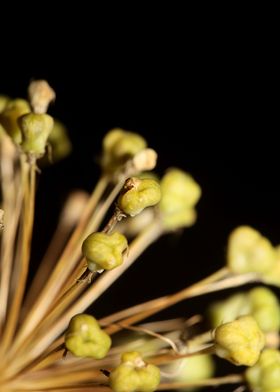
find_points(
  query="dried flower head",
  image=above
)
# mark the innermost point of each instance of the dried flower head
(47, 341)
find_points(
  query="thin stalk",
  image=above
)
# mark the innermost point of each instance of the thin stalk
(115, 317)
(61, 272)
(25, 246)
(70, 215)
(189, 292)
(210, 382)
(12, 203)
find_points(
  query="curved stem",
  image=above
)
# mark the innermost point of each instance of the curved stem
(210, 382)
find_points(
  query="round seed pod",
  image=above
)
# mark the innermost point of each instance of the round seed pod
(133, 375)
(240, 341)
(104, 251)
(85, 338)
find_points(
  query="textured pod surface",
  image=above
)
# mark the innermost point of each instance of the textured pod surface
(35, 129)
(84, 337)
(249, 251)
(139, 194)
(240, 341)
(104, 251)
(120, 145)
(133, 374)
(180, 193)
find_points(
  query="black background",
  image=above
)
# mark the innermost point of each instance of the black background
(208, 107)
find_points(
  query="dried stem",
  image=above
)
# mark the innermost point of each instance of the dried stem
(210, 382)
(61, 271)
(156, 302)
(12, 202)
(189, 292)
(22, 261)
(43, 340)
(67, 221)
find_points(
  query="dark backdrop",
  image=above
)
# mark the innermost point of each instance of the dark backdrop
(213, 114)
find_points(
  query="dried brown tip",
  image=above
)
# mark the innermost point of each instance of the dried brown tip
(145, 160)
(40, 96)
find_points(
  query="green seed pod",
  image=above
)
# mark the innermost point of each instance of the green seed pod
(180, 193)
(138, 194)
(240, 341)
(59, 141)
(265, 308)
(221, 312)
(190, 369)
(134, 375)
(264, 376)
(4, 100)
(84, 337)
(8, 118)
(260, 302)
(249, 251)
(104, 251)
(272, 276)
(35, 129)
(119, 146)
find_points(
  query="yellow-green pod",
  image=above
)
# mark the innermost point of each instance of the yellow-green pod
(85, 338)
(104, 251)
(59, 141)
(272, 276)
(134, 375)
(264, 376)
(35, 129)
(180, 193)
(227, 310)
(265, 308)
(119, 146)
(4, 100)
(9, 116)
(138, 194)
(249, 251)
(240, 341)
(191, 369)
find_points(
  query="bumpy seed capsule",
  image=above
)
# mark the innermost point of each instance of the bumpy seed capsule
(35, 130)
(8, 118)
(264, 376)
(40, 95)
(180, 193)
(240, 341)
(84, 337)
(118, 146)
(265, 308)
(134, 375)
(249, 251)
(104, 251)
(138, 194)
